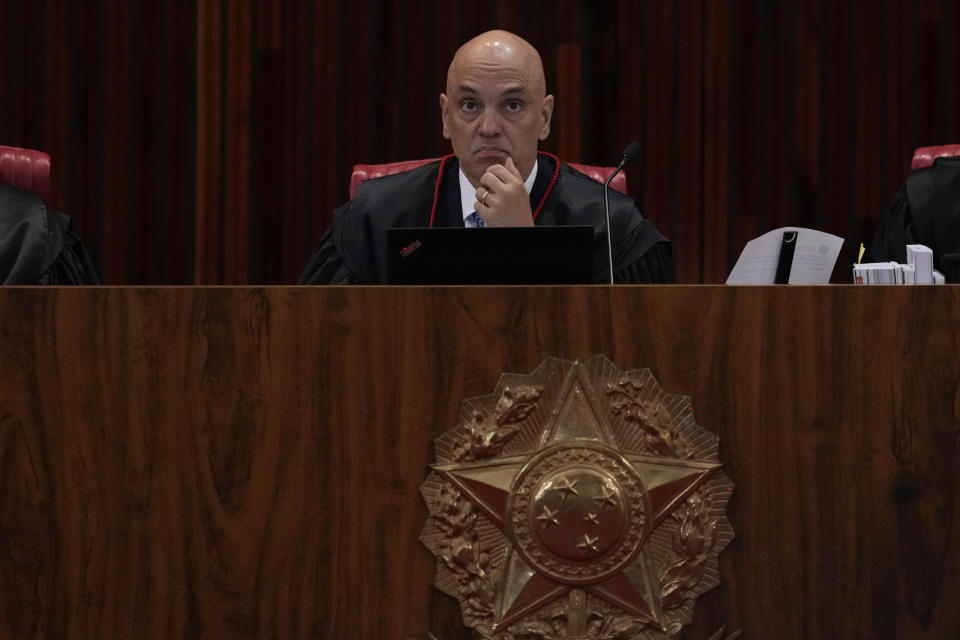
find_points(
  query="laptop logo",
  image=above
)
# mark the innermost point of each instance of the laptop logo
(407, 250)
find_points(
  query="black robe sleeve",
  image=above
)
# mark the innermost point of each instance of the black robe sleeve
(37, 246)
(72, 264)
(654, 266)
(350, 251)
(894, 232)
(641, 254)
(353, 250)
(326, 265)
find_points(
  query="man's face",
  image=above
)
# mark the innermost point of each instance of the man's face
(494, 108)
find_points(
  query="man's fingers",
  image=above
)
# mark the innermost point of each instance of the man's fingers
(513, 168)
(503, 189)
(490, 181)
(504, 174)
(482, 195)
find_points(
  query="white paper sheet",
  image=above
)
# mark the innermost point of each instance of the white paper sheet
(813, 259)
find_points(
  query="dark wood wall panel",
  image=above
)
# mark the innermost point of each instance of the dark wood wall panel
(209, 141)
(242, 462)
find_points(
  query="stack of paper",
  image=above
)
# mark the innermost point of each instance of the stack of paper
(878, 273)
(918, 270)
(921, 258)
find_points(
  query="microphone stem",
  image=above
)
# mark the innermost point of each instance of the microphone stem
(606, 211)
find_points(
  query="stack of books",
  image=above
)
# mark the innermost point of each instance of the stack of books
(918, 270)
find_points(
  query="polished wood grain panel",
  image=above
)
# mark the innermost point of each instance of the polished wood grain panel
(245, 462)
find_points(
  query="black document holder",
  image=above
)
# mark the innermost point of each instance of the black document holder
(785, 263)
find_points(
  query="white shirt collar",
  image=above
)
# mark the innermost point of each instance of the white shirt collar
(468, 194)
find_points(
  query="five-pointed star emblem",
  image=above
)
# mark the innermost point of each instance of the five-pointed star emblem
(548, 517)
(567, 488)
(607, 498)
(587, 544)
(488, 484)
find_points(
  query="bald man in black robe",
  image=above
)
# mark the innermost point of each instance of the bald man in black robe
(495, 111)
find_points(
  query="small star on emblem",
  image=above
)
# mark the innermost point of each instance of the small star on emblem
(548, 518)
(567, 487)
(591, 518)
(588, 545)
(607, 498)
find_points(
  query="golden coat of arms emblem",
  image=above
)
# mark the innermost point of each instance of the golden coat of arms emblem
(577, 502)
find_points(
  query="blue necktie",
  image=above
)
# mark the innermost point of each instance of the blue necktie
(477, 219)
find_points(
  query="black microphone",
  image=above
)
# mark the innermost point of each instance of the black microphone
(631, 152)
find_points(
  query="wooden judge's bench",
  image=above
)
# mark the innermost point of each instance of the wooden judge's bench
(246, 462)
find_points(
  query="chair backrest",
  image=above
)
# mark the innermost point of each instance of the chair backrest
(26, 169)
(924, 156)
(363, 172)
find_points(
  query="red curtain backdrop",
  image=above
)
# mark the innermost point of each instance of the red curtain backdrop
(209, 142)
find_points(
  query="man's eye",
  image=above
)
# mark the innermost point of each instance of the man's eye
(469, 105)
(514, 106)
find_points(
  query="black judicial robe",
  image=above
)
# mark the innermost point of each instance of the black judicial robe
(36, 244)
(353, 251)
(926, 210)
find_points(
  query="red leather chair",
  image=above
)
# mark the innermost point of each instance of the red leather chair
(363, 172)
(26, 169)
(924, 156)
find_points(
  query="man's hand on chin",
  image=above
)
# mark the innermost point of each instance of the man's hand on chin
(502, 199)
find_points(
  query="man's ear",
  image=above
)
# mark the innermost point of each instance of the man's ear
(443, 116)
(547, 113)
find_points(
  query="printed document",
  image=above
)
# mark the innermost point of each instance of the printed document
(813, 259)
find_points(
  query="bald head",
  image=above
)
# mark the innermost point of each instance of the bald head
(495, 105)
(496, 50)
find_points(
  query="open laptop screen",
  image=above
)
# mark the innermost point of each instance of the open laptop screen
(491, 255)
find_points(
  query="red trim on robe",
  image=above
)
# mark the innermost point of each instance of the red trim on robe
(436, 189)
(553, 181)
